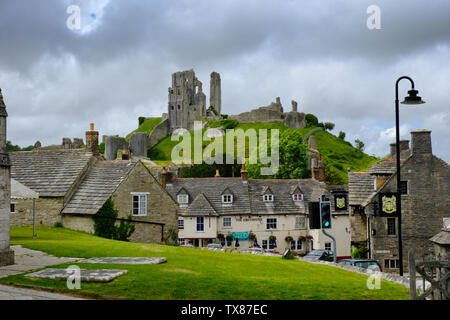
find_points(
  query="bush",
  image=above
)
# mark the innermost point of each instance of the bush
(341, 135)
(141, 120)
(105, 223)
(329, 126)
(101, 148)
(311, 120)
(58, 225)
(359, 145)
(214, 110)
(361, 252)
(172, 237)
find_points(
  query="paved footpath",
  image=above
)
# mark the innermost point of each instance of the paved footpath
(27, 260)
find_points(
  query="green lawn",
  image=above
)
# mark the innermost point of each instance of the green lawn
(146, 126)
(198, 274)
(338, 154)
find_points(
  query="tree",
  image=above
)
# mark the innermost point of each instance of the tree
(125, 229)
(311, 120)
(341, 135)
(293, 160)
(105, 219)
(329, 126)
(359, 145)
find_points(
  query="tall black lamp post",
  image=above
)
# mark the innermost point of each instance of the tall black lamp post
(412, 98)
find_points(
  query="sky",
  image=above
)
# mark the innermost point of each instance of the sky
(117, 66)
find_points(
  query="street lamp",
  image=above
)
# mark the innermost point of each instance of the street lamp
(412, 98)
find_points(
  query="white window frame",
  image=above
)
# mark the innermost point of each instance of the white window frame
(180, 224)
(299, 197)
(15, 207)
(298, 245)
(223, 222)
(272, 222)
(268, 197)
(197, 224)
(142, 204)
(183, 196)
(227, 198)
(304, 222)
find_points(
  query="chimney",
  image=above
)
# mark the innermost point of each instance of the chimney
(217, 173)
(421, 142)
(244, 173)
(92, 141)
(404, 146)
(164, 177)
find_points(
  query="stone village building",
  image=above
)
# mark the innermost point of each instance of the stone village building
(73, 184)
(425, 201)
(209, 208)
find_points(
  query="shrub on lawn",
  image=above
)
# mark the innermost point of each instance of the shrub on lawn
(105, 223)
(58, 225)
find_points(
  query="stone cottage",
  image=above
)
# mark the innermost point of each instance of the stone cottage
(425, 201)
(210, 209)
(73, 184)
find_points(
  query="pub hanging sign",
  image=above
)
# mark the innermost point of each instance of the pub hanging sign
(340, 202)
(388, 204)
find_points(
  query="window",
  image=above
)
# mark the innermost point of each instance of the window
(13, 207)
(403, 187)
(297, 197)
(327, 245)
(183, 198)
(139, 204)
(181, 224)
(297, 245)
(271, 223)
(181, 242)
(268, 198)
(226, 222)
(391, 263)
(391, 227)
(200, 224)
(267, 245)
(300, 222)
(227, 198)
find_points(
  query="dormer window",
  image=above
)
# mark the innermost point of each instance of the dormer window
(183, 199)
(297, 197)
(227, 198)
(268, 198)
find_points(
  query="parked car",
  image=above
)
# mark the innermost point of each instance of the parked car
(214, 246)
(326, 255)
(255, 250)
(362, 263)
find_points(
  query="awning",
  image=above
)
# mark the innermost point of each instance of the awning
(19, 191)
(240, 235)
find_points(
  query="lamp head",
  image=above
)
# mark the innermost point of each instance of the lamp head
(413, 98)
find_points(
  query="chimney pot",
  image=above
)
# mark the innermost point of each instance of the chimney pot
(92, 127)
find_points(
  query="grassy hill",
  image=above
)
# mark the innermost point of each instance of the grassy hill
(336, 153)
(146, 126)
(196, 274)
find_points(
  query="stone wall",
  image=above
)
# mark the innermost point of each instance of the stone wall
(158, 133)
(47, 212)
(112, 145)
(215, 92)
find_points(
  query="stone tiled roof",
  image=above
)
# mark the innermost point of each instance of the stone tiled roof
(200, 207)
(442, 237)
(360, 187)
(98, 185)
(387, 166)
(50, 173)
(247, 197)
(212, 189)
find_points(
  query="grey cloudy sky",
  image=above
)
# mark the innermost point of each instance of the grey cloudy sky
(118, 66)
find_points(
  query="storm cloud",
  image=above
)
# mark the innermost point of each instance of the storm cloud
(118, 66)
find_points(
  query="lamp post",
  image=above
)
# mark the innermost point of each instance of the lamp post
(412, 98)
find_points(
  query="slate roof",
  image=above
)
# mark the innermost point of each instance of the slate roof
(247, 197)
(20, 191)
(99, 184)
(442, 238)
(50, 173)
(360, 187)
(388, 167)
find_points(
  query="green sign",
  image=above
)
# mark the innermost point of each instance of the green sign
(240, 235)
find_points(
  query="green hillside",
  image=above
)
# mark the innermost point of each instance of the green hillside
(338, 155)
(146, 126)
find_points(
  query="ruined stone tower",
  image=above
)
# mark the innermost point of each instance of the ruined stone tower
(6, 254)
(215, 92)
(187, 102)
